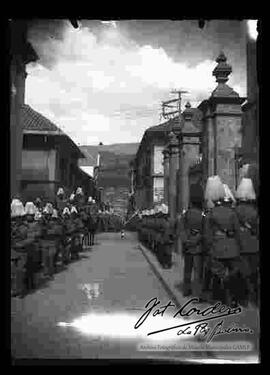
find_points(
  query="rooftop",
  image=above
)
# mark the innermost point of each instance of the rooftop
(35, 123)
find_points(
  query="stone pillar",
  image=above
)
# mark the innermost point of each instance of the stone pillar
(173, 168)
(222, 127)
(166, 164)
(189, 152)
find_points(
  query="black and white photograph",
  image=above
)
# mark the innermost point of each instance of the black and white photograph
(134, 189)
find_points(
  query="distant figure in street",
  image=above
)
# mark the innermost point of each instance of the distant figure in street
(122, 234)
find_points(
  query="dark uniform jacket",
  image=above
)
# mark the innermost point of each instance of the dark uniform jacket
(249, 223)
(222, 233)
(190, 230)
(166, 230)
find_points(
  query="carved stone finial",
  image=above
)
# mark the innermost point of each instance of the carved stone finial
(188, 105)
(222, 70)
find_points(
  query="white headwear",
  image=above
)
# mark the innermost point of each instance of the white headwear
(30, 208)
(60, 191)
(17, 208)
(66, 211)
(245, 190)
(72, 196)
(73, 210)
(228, 194)
(79, 191)
(90, 199)
(55, 214)
(164, 209)
(93, 201)
(48, 209)
(38, 215)
(214, 190)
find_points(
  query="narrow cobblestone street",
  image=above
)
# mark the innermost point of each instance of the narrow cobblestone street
(126, 283)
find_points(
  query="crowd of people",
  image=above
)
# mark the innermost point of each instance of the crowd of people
(218, 239)
(47, 236)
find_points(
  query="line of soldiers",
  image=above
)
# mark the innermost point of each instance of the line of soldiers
(218, 238)
(44, 235)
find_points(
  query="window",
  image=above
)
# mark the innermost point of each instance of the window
(158, 160)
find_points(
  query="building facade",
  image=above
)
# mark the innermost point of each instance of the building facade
(49, 159)
(21, 53)
(152, 161)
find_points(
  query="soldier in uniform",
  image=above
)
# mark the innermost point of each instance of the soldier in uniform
(58, 235)
(38, 204)
(77, 227)
(247, 213)
(32, 265)
(79, 198)
(190, 231)
(167, 239)
(67, 236)
(92, 225)
(18, 252)
(48, 241)
(60, 200)
(159, 233)
(222, 236)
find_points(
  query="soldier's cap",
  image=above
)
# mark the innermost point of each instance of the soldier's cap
(73, 210)
(17, 208)
(214, 190)
(30, 208)
(66, 211)
(60, 191)
(79, 190)
(245, 190)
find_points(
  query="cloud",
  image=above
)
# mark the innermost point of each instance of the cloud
(105, 87)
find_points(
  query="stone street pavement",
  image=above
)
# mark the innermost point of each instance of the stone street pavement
(66, 319)
(89, 310)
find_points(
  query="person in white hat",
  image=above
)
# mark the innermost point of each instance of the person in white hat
(48, 243)
(68, 228)
(248, 217)
(77, 231)
(214, 191)
(79, 198)
(166, 239)
(58, 229)
(60, 199)
(222, 240)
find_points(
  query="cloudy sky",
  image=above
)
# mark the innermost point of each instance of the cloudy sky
(104, 82)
